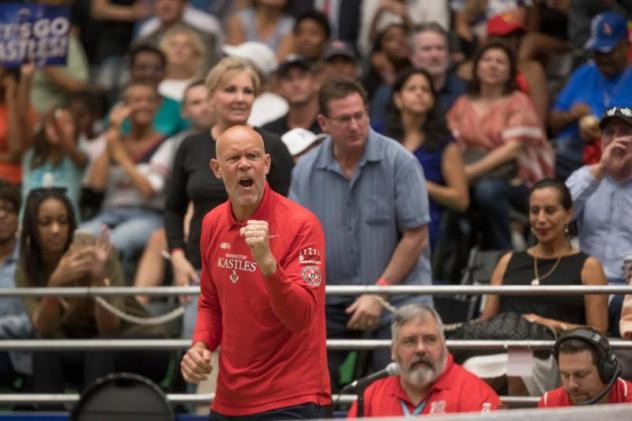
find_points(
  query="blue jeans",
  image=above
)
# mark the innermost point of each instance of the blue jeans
(306, 411)
(494, 198)
(131, 227)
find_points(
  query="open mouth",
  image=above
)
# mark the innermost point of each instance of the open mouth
(246, 182)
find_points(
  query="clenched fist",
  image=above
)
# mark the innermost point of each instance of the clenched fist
(257, 237)
(196, 363)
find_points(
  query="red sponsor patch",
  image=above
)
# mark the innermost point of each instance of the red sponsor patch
(309, 256)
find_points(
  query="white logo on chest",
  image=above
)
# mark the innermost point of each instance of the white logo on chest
(437, 407)
(236, 263)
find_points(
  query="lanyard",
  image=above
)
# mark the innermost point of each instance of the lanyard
(416, 411)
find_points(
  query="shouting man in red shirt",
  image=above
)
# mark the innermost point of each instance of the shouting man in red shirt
(589, 371)
(262, 295)
(429, 381)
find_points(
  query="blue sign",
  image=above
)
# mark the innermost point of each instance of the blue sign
(35, 33)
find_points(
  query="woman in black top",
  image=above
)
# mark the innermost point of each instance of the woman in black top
(233, 85)
(552, 261)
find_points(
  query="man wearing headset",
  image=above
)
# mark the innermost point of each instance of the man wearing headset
(589, 371)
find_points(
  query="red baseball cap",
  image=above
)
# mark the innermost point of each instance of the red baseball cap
(504, 24)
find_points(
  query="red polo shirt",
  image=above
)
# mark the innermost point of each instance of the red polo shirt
(271, 329)
(456, 390)
(621, 392)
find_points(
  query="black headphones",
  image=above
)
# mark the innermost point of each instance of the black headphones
(607, 364)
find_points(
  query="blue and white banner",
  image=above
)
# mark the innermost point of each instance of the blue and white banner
(35, 33)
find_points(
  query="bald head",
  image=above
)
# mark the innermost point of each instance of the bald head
(239, 133)
(242, 164)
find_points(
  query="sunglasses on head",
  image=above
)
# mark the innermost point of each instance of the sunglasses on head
(44, 190)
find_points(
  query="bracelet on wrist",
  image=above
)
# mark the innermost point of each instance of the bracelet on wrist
(175, 250)
(382, 282)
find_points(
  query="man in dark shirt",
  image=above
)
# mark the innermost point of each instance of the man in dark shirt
(431, 52)
(298, 85)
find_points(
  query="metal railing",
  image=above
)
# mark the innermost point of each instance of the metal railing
(18, 398)
(333, 290)
(332, 344)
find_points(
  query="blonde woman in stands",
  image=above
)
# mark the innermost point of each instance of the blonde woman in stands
(186, 58)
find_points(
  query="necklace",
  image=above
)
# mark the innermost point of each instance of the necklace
(538, 278)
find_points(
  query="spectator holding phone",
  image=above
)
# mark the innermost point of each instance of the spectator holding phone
(55, 160)
(49, 258)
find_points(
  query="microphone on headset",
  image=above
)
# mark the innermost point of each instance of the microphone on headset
(390, 370)
(607, 363)
(605, 390)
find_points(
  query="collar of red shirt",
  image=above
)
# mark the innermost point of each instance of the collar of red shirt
(261, 213)
(442, 382)
(617, 394)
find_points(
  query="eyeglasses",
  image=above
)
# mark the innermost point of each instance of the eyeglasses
(345, 120)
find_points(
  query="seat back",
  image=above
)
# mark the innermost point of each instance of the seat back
(123, 397)
(480, 266)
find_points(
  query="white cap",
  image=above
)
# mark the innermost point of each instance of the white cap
(298, 140)
(262, 56)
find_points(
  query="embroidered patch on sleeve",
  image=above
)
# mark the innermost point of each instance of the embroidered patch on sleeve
(311, 275)
(309, 256)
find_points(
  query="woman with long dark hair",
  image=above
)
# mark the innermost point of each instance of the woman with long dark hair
(51, 258)
(416, 121)
(47, 259)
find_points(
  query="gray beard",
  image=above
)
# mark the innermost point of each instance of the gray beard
(421, 376)
(424, 375)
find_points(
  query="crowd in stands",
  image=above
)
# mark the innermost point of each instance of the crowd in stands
(406, 127)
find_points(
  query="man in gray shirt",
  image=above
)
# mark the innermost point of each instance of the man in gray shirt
(369, 194)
